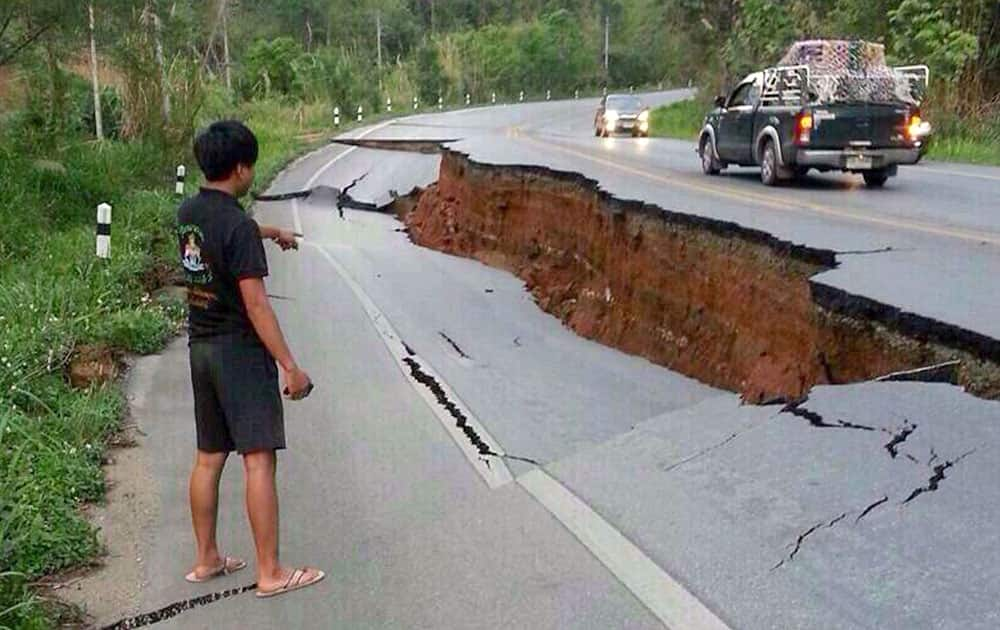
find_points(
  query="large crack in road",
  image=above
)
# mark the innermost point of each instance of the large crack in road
(731, 306)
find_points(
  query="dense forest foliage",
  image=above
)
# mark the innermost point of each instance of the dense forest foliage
(161, 59)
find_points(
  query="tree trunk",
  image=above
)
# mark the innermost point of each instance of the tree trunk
(164, 85)
(98, 119)
(225, 46)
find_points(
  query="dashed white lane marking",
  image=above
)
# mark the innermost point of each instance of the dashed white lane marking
(664, 596)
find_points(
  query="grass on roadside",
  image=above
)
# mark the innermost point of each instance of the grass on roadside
(682, 119)
(981, 150)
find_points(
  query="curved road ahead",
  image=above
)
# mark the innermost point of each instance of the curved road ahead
(628, 496)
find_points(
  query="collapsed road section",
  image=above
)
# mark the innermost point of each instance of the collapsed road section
(731, 306)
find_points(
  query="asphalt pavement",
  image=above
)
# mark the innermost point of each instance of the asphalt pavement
(627, 495)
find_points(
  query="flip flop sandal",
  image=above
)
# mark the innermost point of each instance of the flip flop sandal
(229, 566)
(294, 583)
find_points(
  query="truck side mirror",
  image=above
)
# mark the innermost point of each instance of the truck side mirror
(720, 101)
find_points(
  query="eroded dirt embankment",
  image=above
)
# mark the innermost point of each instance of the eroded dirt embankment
(729, 306)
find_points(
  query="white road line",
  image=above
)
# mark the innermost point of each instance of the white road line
(493, 470)
(296, 218)
(664, 596)
(949, 172)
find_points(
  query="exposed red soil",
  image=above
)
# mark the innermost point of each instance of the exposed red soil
(726, 306)
(92, 365)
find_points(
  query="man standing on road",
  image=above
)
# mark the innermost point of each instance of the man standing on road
(234, 341)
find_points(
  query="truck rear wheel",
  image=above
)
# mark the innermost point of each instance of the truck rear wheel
(875, 179)
(769, 164)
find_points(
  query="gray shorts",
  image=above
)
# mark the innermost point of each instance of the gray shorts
(237, 400)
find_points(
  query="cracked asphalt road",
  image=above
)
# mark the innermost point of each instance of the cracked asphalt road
(770, 519)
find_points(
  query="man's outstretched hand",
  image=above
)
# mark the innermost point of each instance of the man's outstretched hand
(286, 240)
(298, 385)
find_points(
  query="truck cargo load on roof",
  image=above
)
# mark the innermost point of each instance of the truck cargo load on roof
(855, 71)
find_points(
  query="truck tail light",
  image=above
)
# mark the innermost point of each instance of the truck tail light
(803, 127)
(914, 129)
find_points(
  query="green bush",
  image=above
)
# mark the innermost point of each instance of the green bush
(269, 68)
(682, 119)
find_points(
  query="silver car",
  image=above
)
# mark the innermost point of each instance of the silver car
(621, 113)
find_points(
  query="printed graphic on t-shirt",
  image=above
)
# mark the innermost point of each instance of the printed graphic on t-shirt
(196, 269)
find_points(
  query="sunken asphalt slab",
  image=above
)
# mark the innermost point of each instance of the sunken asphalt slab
(758, 512)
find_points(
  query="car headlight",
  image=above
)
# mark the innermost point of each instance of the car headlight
(611, 115)
(644, 115)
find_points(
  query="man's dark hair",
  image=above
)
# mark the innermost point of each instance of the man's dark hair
(223, 146)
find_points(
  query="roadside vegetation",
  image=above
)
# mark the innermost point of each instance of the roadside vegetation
(682, 119)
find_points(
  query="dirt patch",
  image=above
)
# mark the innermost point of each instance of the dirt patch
(160, 275)
(93, 365)
(730, 306)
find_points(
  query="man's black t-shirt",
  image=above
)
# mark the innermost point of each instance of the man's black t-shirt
(219, 246)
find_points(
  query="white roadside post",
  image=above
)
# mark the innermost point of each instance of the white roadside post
(416, 103)
(361, 113)
(468, 99)
(631, 89)
(576, 93)
(104, 231)
(440, 103)
(520, 97)
(493, 98)
(179, 186)
(548, 95)
(388, 104)
(336, 116)
(605, 90)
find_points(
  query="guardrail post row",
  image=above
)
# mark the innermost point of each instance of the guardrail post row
(179, 186)
(104, 230)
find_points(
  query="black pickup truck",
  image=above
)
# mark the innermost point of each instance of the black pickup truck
(776, 120)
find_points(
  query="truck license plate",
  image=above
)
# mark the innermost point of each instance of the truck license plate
(859, 162)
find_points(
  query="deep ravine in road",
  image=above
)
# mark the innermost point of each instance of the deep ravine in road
(733, 307)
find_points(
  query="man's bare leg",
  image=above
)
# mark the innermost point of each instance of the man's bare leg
(262, 509)
(259, 468)
(204, 494)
